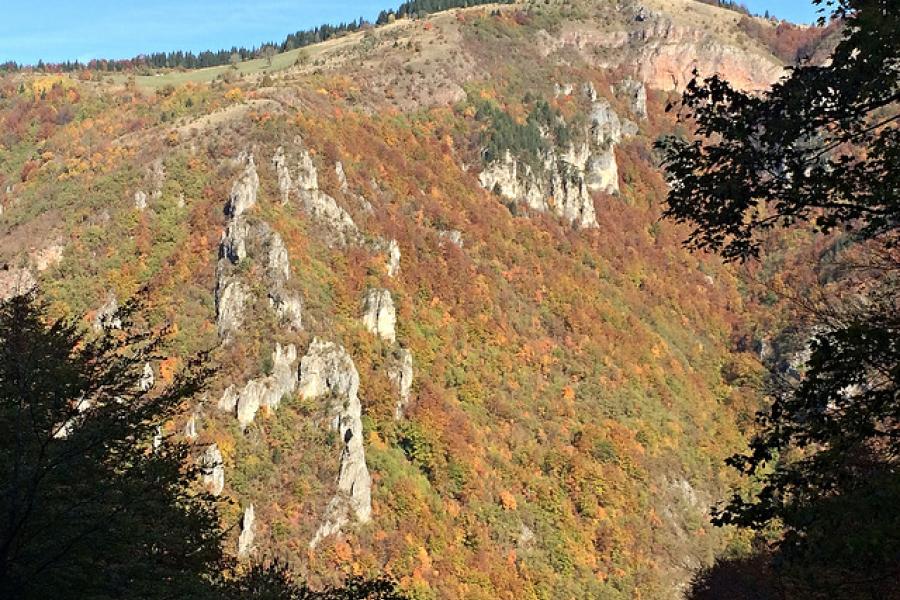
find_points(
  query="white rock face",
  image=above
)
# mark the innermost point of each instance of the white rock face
(249, 401)
(401, 375)
(320, 205)
(231, 300)
(341, 176)
(379, 314)
(285, 182)
(106, 315)
(18, 282)
(147, 379)
(278, 264)
(190, 428)
(213, 470)
(454, 236)
(635, 93)
(140, 200)
(393, 258)
(307, 175)
(563, 89)
(325, 209)
(289, 309)
(328, 371)
(248, 532)
(564, 182)
(233, 245)
(244, 190)
(47, 257)
(244, 239)
(228, 401)
(268, 391)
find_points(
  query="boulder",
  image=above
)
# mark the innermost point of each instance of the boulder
(454, 236)
(228, 401)
(190, 428)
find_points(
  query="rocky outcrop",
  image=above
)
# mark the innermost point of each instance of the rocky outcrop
(213, 470)
(307, 174)
(393, 258)
(244, 190)
(401, 375)
(249, 401)
(248, 532)
(245, 238)
(232, 297)
(379, 315)
(269, 390)
(288, 307)
(563, 183)
(453, 236)
(278, 264)
(228, 401)
(322, 207)
(341, 177)
(285, 182)
(17, 282)
(327, 371)
(46, 257)
(635, 94)
(107, 315)
(190, 428)
(147, 379)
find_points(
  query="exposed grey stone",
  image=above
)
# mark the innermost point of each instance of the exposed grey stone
(401, 375)
(635, 93)
(16, 282)
(341, 176)
(269, 390)
(190, 428)
(244, 190)
(231, 299)
(248, 532)
(328, 371)
(454, 236)
(228, 401)
(393, 258)
(213, 470)
(140, 200)
(107, 317)
(147, 379)
(285, 182)
(379, 315)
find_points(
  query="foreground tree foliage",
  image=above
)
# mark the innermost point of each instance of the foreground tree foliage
(821, 148)
(93, 503)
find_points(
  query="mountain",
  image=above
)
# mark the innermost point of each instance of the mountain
(454, 342)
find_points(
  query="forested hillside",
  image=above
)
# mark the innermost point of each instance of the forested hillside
(453, 341)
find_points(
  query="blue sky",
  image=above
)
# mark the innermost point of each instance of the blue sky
(56, 30)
